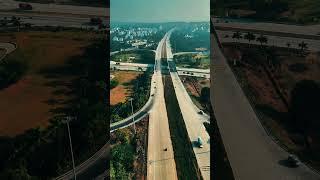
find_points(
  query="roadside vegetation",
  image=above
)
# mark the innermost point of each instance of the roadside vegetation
(129, 152)
(138, 56)
(12, 69)
(283, 86)
(199, 91)
(140, 92)
(292, 11)
(186, 163)
(44, 152)
(192, 61)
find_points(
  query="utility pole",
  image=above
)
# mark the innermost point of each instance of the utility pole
(67, 120)
(134, 125)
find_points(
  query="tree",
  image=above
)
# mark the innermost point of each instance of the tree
(304, 108)
(262, 39)
(205, 94)
(250, 37)
(288, 45)
(237, 35)
(303, 46)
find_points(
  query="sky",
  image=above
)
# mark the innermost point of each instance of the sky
(159, 10)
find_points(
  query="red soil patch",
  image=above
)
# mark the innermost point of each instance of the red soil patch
(122, 91)
(24, 105)
(118, 95)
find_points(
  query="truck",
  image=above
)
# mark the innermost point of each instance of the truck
(200, 144)
(25, 6)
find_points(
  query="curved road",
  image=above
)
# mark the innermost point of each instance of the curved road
(253, 155)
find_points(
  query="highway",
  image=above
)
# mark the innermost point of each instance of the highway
(313, 30)
(252, 153)
(8, 47)
(139, 115)
(55, 8)
(92, 167)
(161, 164)
(193, 120)
(52, 20)
(278, 41)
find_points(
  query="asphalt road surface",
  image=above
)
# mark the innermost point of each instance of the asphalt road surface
(193, 120)
(253, 155)
(161, 164)
(273, 27)
(52, 20)
(91, 168)
(70, 9)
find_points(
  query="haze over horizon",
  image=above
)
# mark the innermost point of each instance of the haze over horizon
(148, 11)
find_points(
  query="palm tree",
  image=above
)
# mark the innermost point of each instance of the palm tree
(250, 37)
(303, 46)
(288, 45)
(237, 35)
(262, 39)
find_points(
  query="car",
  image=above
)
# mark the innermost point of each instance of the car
(200, 144)
(293, 161)
(152, 94)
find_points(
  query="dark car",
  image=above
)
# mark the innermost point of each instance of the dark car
(293, 161)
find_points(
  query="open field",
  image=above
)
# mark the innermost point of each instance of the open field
(123, 89)
(269, 89)
(141, 56)
(31, 101)
(192, 61)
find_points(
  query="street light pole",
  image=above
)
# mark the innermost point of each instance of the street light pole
(134, 125)
(68, 119)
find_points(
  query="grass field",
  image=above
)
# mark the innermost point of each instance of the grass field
(143, 57)
(123, 90)
(33, 99)
(192, 61)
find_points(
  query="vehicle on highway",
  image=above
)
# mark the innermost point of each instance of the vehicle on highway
(165, 149)
(293, 161)
(25, 6)
(200, 144)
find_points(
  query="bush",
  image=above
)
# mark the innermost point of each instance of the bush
(11, 70)
(113, 83)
